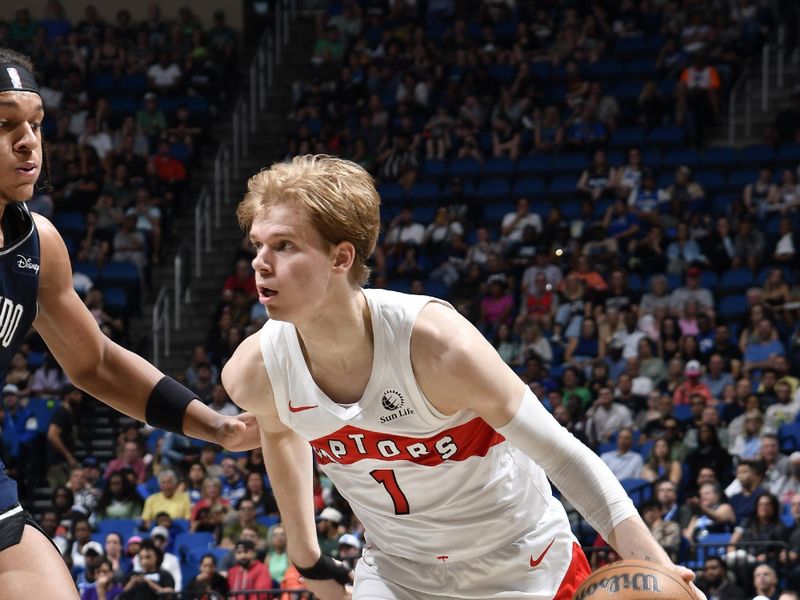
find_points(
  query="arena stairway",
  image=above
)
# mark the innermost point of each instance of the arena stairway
(266, 145)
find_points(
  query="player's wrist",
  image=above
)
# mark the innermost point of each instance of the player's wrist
(326, 568)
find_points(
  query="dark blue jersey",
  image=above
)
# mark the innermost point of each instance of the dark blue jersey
(19, 286)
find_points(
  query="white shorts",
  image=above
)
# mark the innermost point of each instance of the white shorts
(544, 564)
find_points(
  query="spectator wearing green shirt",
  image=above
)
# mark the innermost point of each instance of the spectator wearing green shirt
(22, 29)
(150, 119)
(277, 557)
(247, 518)
(328, 49)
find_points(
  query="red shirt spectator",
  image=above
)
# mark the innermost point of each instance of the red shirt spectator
(168, 168)
(243, 279)
(691, 386)
(128, 457)
(248, 573)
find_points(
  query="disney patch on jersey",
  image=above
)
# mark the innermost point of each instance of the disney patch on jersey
(26, 265)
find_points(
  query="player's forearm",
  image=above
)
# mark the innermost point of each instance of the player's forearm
(287, 458)
(632, 540)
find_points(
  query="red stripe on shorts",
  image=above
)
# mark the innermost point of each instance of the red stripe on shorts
(578, 571)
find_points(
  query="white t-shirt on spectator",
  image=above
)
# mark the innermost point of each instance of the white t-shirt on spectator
(164, 77)
(531, 219)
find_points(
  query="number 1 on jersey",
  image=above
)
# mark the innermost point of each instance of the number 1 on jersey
(386, 478)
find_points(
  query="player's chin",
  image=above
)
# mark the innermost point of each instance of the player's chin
(18, 193)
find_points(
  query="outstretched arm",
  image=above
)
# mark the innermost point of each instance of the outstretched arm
(458, 369)
(288, 460)
(101, 367)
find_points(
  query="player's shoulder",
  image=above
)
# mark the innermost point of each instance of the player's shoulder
(440, 336)
(245, 376)
(44, 226)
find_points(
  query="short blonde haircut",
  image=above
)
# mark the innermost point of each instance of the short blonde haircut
(338, 196)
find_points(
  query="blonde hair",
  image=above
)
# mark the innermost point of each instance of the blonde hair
(338, 196)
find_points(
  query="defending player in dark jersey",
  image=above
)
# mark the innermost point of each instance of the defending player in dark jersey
(36, 288)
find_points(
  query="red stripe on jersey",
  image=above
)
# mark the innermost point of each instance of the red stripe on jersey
(350, 444)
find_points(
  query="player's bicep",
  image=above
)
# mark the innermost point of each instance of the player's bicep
(63, 321)
(457, 368)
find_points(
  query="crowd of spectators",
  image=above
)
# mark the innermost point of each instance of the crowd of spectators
(655, 314)
(652, 305)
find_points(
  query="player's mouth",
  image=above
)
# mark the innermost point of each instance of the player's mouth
(27, 169)
(265, 294)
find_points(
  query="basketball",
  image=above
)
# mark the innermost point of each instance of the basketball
(634, 580)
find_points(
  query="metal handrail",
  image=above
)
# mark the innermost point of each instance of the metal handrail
(161, 325)
(732, 99)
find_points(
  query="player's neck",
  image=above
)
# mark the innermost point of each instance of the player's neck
(339, 332)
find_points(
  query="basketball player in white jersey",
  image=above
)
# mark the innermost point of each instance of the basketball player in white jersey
(440, 449)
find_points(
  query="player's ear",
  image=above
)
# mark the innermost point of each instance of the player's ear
(344, 255)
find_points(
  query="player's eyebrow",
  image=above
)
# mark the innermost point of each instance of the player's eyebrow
(15, 104)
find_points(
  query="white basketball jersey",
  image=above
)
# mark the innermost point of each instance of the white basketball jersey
(427, 487)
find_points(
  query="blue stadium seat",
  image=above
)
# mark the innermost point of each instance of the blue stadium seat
(605, 70)
(532, 164)
(732, 307)
(718, 157)
(102, 83)
(433, 168)
(633, 46)
(625, 137)
(562, 186)
(710, 180)
(437, 289)
(789, 436)
(197, 105)
(195, 555)
(740, 178)
(736, 280)
(424, 214)
(86, 267)
(503, 74)
(267, 520)
(635, 283)
(70, 223)
(640, 68)
(35, 360)
(788, 153)
(115, 300)
(120, 273)
(570, 209)
(422, 192)
(133, 84)
(465, 168)
(529, 186)
(652, 157)
(42, 409)
(682, 412)
(125, 527)
(709, 279)
(494, 212)
(498, 167)
(570, 163)
(667, 136)
(721, 204)
(646, 448)
(626, 89)
(713, 544)
(185, 542)
(391, 192)
(496, 187)
(639, 490)
(757, 153)
(680, 157)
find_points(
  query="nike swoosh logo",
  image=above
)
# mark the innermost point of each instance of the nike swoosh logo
(535, 562)
(296, 409)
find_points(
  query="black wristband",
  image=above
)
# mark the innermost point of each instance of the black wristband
(327, 568)
(167, 404)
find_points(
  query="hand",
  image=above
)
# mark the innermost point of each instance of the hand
(688, 576)
(103, 581)
(239, 433)
(328, 589)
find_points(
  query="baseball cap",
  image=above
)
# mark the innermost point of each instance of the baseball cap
(246, 544)
(348, 539)
(159, 530)
(330, 514)
(134, 539)
(693, 272)
(92, 547)
(10, 388)
(692, 368)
